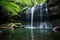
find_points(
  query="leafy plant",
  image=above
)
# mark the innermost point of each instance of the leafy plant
(29, 3)
(15, 6)
(10, 6)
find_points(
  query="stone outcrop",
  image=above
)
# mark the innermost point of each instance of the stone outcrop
(54, 6)
(10, 26)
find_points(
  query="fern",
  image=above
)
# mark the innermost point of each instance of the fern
(10, 6)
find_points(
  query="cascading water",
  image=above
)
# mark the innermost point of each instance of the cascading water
(43, 24)
(32, 12)
(31, 25)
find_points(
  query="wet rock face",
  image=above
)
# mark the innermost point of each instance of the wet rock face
(53, 2)
(4, 17)
(54, 6)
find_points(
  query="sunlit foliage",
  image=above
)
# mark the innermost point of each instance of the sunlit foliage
(15, 6)
(10, 6)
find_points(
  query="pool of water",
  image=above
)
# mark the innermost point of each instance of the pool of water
(25, 34)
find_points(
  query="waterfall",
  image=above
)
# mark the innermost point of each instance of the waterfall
(44, 23)
(31, 25)
(32, 12)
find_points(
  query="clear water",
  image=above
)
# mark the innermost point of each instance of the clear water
(25, 34)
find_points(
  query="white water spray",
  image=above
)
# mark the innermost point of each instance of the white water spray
(32, 12)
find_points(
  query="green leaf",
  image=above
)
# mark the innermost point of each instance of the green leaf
(42, 1)
(26, 2)
(10, 6)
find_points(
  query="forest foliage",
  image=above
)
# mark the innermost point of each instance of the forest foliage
(15, 6)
